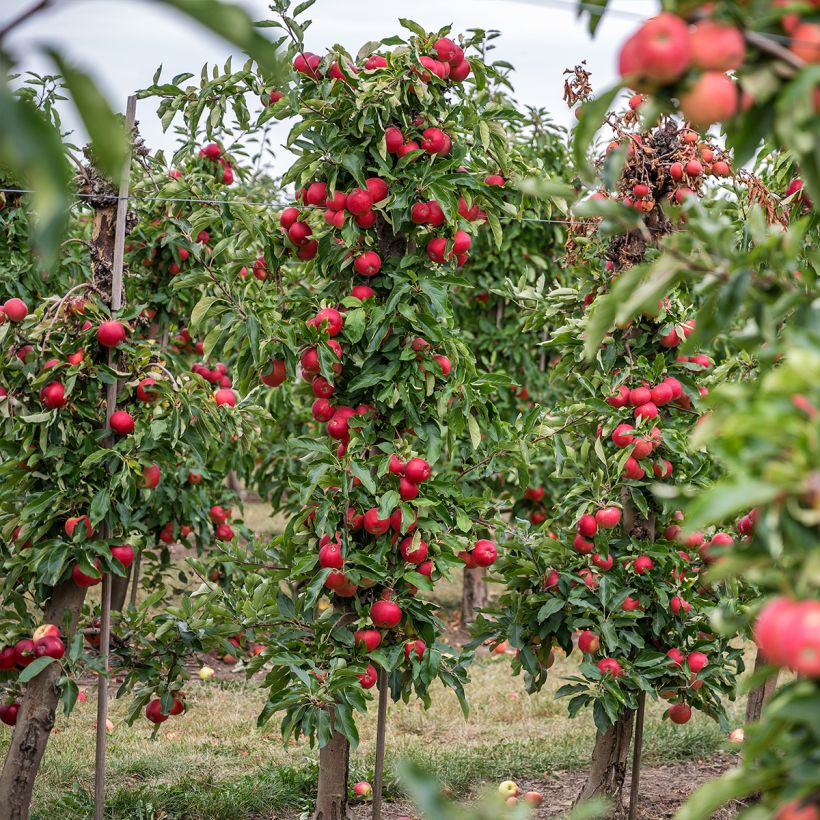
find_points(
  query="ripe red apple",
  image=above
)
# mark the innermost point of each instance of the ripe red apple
(8, 713)
(793, 810)
(394, 139)
(646, 411)
(124, 554)
(697, 661)
(679, 713)
(146, 390)
(630, 604)
(225, 396)
(377, 188)
(643, 447)
(330, 556)
(588, 642)
(582, 546)
(413, 555)
(49, 646)
(368, 264)
(299, 233)
(45, 629)
(83, 580)
(52, 396)
(417, 647)
(328, 319)
(368, 680)
(368, 639)
(407, 489)
(153, 711)
(484, 553)
(609, 666)
(608, 517)
(676, 656)
(15, 310)
(622, 435)
(639, 396)
(662, 48)
(620, 398)
(122, 423)
(359, 201)
(460, 71)
(71, 523)
(218, 514)
(417, 470)
(678, 604)
(224, 532)
(277, 374)
(111, 333)
(604, 563)
(642, 564)
(375, 525)
(712, 97)
(385, 614)
(587, 525)
(661, 394)
(362, 292)
(363, 788)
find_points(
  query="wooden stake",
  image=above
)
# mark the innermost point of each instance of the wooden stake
(635, 786)
(381, 726)
(111, 404)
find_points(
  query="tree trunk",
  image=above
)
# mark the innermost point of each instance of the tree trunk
(35, 719)
(119, 590)
(759, 696)
(609, 764)
(334, 763)
(474, 593)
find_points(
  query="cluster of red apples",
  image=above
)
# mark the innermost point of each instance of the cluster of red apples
(214, 153)
(45, 642)
(448, 64)
(693, 61)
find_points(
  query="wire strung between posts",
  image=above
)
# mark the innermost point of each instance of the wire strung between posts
(252, 203)
(599, 11)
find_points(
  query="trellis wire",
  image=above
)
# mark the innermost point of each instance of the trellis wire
(246, 202)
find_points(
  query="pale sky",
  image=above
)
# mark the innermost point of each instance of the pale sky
(123, 41)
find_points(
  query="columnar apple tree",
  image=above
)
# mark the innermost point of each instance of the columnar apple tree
(78, 490)
(622, 569)
(762, 276)
(397, 171)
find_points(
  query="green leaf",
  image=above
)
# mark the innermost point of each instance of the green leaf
(475, 433)
(733, 785)
(727, 498)
(33, 150)
(106, 129)
(229, 21)
(593, 113)
(34, 668)
(364, 476)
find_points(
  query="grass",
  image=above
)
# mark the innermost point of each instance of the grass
(213, 763)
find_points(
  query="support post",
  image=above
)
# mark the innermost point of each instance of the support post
(635, 786)
(381, 727)
(111, 404)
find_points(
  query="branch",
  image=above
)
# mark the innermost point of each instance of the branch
(35, 9)
(769, 46)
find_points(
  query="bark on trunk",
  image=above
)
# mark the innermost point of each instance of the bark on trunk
(119, 590)
(609, 764)
(760, 695)
(334, 763)
(474, 593)
(35, 719)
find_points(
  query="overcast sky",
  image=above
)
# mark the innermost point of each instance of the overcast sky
(123, 41)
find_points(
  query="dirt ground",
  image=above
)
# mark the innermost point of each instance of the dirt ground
(663, 789)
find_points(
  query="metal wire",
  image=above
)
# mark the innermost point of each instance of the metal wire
(252, 203)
